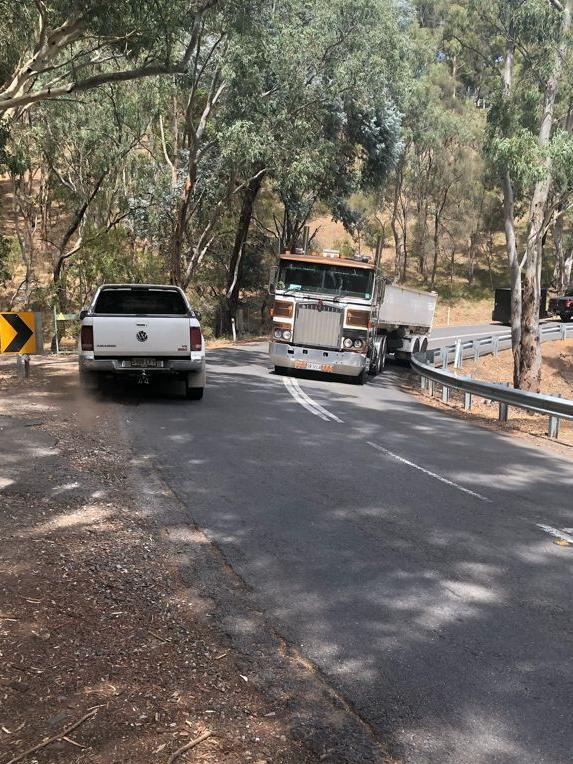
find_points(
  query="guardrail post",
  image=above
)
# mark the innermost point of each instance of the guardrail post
(445, 394)
(563, 331)
(459, 355)
(431, 387)
(23, 365)
(503, 414)
(495, 345)
(553, 430)
(476, 350)
(467, 401)
(444, 354)
(422, 383)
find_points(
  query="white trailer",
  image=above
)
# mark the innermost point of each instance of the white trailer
(405, 315)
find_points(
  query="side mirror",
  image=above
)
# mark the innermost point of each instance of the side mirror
(272, 279)
(83, 314)
(197, 315)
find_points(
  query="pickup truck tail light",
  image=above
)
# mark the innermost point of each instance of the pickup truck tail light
(196, 340)
(87, 338)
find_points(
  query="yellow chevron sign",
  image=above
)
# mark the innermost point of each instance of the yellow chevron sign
(18, 333)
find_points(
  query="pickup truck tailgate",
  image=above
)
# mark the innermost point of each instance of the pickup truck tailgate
(147, 336)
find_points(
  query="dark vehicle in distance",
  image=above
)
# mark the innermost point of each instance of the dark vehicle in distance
(502, 306)
(562, 306)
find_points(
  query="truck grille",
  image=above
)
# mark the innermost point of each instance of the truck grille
(317, 327)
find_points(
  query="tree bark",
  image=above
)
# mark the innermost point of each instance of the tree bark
(509, 224)
(530, 355)
(233, 285)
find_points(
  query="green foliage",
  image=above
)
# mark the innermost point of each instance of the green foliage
(5, 258)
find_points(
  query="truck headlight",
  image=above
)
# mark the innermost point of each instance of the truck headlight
(358, 344)
(347, 343)
(287, 334)
(278, 334)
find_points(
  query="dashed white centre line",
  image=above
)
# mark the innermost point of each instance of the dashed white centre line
(307, 402)
(429, 472)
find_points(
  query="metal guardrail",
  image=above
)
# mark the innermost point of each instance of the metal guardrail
(432, 366)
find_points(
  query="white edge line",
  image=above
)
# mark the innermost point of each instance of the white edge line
(428, 472)
(556, 532)
(312, 402)
(299, 399)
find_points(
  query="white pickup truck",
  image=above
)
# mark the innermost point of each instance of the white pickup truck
(142, 330)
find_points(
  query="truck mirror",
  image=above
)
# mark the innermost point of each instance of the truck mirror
(83, 314)
(272, 279)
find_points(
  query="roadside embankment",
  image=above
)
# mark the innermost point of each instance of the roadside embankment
(557, 379)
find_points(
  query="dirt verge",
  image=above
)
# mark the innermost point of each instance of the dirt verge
(100, 624)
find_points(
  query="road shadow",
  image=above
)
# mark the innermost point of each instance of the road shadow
(445, 620)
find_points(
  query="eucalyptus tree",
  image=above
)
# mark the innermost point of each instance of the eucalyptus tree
(525, 44)
(70, 171)
(51, 49)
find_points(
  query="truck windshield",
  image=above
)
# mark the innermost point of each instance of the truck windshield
(148, 302)
(344, 281)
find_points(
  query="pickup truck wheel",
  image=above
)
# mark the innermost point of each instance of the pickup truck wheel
(89, 380)
(194, 393)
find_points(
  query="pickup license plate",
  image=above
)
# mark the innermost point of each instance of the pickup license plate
(146, 363)
(327, 367)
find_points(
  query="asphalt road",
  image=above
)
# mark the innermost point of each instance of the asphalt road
(400, 549)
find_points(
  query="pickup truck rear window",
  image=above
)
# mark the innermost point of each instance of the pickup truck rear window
(148, 302)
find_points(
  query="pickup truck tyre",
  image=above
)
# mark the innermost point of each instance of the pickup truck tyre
(89, 380)
(194, 393)
(565, 317)
(194, 385)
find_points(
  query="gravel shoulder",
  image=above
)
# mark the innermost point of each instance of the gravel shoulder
(105, 621)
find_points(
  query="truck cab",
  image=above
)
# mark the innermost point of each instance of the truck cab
(322, 314)
(341, 316)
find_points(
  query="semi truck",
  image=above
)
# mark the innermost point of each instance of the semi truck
(342, 316)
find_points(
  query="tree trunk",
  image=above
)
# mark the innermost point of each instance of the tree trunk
(235, 264)
(436, 240)
(509, 225)
(558, 281)
(530, 356)
(398, 238)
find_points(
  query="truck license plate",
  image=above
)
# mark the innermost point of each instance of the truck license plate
(146, 363)
(313, 366)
